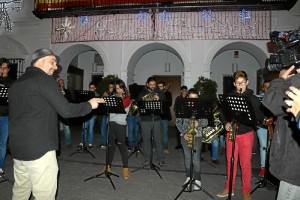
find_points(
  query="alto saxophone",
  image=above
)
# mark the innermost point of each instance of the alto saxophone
(234, 126)
(191, 133)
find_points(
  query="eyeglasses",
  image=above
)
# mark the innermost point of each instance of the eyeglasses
(241, 83)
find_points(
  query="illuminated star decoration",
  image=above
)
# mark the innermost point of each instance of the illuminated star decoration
(206, 14)
(65, 28)
(142, 16)
(83, 20)
(165, 16)
(245, 14)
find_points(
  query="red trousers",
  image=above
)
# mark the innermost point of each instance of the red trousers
(243, 151)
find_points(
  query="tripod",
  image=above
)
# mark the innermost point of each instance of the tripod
(194, 109)
(263, 182)
(4, 102)
(237, 109)
(83, 96)
(113, 105)
(150, 108)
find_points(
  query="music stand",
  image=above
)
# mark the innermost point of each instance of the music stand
(113, 105)
(83, 96)
(236, 109)
(195, 108)
(150, 108)
(4, 102)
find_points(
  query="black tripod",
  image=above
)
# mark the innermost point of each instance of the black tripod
(4, 102)
(236, 109)
(83, 96)
(264, 181)
(150, 108)
(113, 105)
(194, 109)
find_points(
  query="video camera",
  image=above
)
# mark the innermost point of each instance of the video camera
(288, 50)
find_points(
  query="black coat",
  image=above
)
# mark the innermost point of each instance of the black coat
(6, 81)
(285, 145)
(34, 101)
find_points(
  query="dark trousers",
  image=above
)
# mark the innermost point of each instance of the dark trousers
(117, 137)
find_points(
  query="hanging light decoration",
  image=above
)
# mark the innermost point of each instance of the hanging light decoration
(245, 14)
(5, 7)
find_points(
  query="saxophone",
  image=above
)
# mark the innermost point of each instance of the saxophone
(210, 132)
(191, 133)
(234, 126)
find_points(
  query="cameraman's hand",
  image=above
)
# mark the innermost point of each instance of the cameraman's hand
(294, 103)
(95, 101)
(286, 73)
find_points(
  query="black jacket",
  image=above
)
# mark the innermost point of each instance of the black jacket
(6, 81)
(34, 101)
(256, 108)
(285, 146)
(167, 111)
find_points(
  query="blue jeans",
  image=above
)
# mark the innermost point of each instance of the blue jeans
(88, 128)
(164, 128)
(67, 133)
(214, 148)
(222, 141)
(133, 131)
(3, 138)
(288, 191)
(262, 134)
(103, 129)
(196, 157)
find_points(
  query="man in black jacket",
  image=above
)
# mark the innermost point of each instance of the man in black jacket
(285, 148)
(34, 101)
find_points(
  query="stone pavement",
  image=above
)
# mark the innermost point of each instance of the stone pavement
(144, 184)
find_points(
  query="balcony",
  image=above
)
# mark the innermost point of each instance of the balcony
(62, 8)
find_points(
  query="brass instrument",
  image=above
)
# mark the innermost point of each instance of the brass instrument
(234, 126)
(133, 109)
(210, 132)
(150, 97)
(191, 133)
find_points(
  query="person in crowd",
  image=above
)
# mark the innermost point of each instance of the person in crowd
(166, 116)
(117, 128)
(89, 122)
(215, 151)
(5, 81)
(184, 126)
(151, 92)
(177, 103)
(34, 101)
(243, 140)
(133, 119)
(262, 132)
(285, 149)
(103, 125)
(64, 123)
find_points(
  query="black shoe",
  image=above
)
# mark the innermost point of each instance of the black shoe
(161, 163)
(178, 147)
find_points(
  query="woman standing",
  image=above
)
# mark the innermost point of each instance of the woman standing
(243, 141)
(117, 128)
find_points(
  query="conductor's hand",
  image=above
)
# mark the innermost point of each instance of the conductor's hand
(228, 126)
(294, 101)
(95, 101)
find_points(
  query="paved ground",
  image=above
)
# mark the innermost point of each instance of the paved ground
(143, 184)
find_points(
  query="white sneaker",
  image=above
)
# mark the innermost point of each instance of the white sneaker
(187, 180)
(198, 183)
(1, 171)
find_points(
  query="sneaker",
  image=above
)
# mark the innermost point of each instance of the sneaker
(166, 151)
(186, 180)
(102, 146)
(262, 172)
(1, 171)
(130, 149)
(198, 183)
(224, 193)
(80, 144)
(90, 146)
(247, 196)
(161, 163)
(215, 162)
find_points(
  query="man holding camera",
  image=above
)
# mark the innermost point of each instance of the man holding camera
(285, 148)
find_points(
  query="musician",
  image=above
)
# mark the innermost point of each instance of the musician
(151, 92)
(285, 149)
(5, 81)
(185, 126)
(117, 128)
(243, 141)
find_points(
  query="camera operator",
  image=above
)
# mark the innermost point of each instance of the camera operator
(285, 148)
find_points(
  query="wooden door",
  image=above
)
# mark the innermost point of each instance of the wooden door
(173, 84)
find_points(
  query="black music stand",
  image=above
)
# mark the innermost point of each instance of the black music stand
(4, 102)
(83, 96)
(195, 109)
(150, 108)
(236, 109)
(113, 105)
